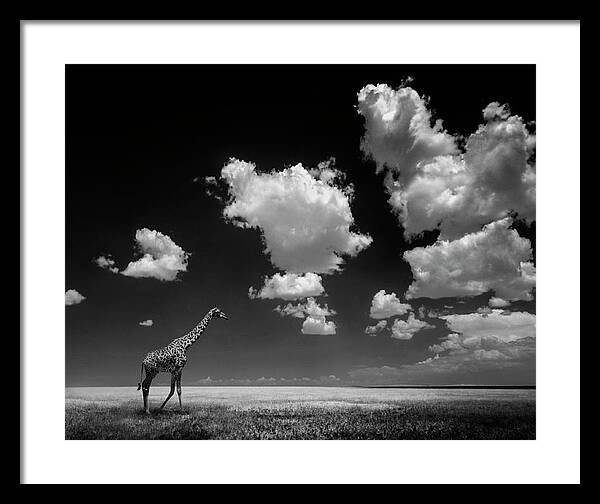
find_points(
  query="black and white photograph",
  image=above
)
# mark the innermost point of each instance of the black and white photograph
(299, 250)
(347, 255)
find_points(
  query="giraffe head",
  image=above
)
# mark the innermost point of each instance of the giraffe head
(216, 313)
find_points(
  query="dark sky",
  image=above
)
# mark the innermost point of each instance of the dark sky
(138, 135)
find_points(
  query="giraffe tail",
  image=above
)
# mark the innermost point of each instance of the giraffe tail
(141, 373)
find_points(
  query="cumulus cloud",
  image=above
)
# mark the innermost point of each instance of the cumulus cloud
(482, 342)
(490, 181)
(289, 286)
(496, 302)
(318, 325)
(147, 323)
(508, 363)
(291, 310)
(429, 360)
(387, 305)
(374, 329)
(106, 262)
(398, 130)
(406, 329)
(495, 258)
(211, 187)
(374, 374)
(434, 184)
(264, 381)
(304, 216)
(162, 258)
(496, 111)
(326, 172)
(496, 348)
(310, 308)
(485, 348)
(72, 297)
(503, 326)
(436, 312)
(315, 322)
(329, 379)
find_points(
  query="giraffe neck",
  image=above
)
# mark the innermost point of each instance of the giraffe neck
(195, 333)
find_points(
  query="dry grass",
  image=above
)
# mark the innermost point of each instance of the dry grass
(302, 413)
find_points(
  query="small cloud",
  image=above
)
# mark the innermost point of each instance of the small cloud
(374, 329)
(387, 305)
(211, 187)
(496, 111)
(310, 308)
(315, 314)
(106, 262)
(289, 286)
(496, 302)
(429, 360)
(318, 325)
(207, 381)
(329, 379)
(147, 323)
(72, 297)
(405, 330)
(263, 380)
(162, 258)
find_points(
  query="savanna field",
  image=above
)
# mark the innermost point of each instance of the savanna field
(301, 413)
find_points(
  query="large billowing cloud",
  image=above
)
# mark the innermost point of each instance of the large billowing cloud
(72, 297)
(406, 329)
(304, 216)
(162, 258)
(398, 131)
(492, 179)
(289, 286)
(384, 306)
(432, 184)
(495, 258)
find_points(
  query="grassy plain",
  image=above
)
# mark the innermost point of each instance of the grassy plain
(301, 413)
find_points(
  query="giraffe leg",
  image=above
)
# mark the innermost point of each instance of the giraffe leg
(179, 389)
(146, 390)
(170, 392)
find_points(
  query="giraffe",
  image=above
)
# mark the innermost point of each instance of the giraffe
(172, 359)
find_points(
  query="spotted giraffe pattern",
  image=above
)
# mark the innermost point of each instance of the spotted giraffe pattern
(172, 358)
